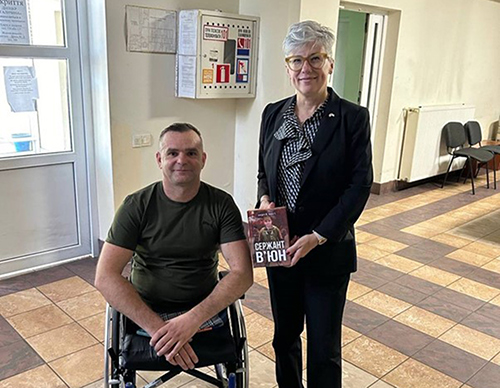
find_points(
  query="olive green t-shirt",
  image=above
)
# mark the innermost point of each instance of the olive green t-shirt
(175, 244)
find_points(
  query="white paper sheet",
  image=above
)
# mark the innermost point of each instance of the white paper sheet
(186, 70)
(14, 28)
(21, 87)
(188, 32)
(151, 30)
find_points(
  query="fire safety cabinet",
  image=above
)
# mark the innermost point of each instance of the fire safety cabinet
(216, 55)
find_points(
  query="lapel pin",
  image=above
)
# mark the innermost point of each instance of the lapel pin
(331, 115)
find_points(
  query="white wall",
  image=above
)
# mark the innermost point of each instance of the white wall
(142, 101)
(447, 52)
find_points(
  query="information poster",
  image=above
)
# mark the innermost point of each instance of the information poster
(14, 26)
(21, 87)
(151, 30)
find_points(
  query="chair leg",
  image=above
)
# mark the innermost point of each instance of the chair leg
(462, 171)
(447, 171)
(471, 175)
(487, 176)
(494, 177)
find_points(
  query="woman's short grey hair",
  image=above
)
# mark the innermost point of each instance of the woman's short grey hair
(309, 31)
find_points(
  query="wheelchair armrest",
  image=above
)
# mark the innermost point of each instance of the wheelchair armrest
(224, 273)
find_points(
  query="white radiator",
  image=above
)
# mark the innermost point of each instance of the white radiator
(423, 153)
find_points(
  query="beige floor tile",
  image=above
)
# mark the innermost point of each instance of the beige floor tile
(445, 221)
(81, 368)
(177, 381)
(424, 321)
(41, 377)
(381, 384)
(372, 356)
(349, 335)
(261, 371)
(370, 253)
(66, 289)
(424, 231)
(22, 301)
(268, 351)
(474, 289)
(472, 341)
(495, 301)
(383, 303)
(259, 330)
(454, 241)
(399, 263)
(363, 237)
(39, 321)
(96, 384)
(496, 359)
(413, 374)
(259, 274)
(95, 325)
(263, 283)
(83, 306)
(61, 341)
(483, 249)
(386, 244)
(435, 275)
(354, 377)
(246, 311)
(355, 290)
(368, 216)
(469, 257)
(493, 265)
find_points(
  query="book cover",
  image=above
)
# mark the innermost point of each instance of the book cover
(268, 237)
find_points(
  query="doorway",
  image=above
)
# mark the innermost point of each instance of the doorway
(44, 195)
(358, 59)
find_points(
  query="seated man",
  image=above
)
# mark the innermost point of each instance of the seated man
(173, 229)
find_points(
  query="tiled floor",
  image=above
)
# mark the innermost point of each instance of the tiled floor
(423, 309)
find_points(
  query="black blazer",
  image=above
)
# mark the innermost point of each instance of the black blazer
(336, 180)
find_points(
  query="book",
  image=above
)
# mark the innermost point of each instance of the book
(268, 237)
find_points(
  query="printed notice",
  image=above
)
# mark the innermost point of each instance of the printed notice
(14, 28)
(21, 88)
(186, 70)
(188, 32)
(151, 30)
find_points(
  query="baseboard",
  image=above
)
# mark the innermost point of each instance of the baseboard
(384, 188)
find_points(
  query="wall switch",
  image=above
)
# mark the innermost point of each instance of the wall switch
(142, 140)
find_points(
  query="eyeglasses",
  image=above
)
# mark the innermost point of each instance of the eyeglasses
(316, 61)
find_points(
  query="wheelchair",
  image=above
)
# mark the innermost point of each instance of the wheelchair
(224, 348)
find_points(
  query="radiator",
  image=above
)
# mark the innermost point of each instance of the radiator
(423, 153)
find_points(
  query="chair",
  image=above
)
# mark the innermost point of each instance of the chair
(455, 139)
(475, 136)
(224, 348)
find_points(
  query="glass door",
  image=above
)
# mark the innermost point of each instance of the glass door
(44, 195)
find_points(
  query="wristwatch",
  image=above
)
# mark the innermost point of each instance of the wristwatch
(321, 239)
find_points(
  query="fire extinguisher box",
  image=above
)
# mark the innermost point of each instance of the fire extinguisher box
(216, 55)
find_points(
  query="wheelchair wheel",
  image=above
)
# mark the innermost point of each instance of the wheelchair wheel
(240, 336)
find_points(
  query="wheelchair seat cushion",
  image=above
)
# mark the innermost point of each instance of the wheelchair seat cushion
(212, 347)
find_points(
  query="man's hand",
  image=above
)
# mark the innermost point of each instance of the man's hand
(302, 247)
(172, 340)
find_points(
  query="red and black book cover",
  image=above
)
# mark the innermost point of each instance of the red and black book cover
(268, 237)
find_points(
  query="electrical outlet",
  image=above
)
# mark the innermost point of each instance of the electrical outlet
(141, 140)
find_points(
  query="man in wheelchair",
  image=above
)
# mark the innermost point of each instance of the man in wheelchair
(172, 229)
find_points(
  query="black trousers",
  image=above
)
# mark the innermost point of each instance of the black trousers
(316, 292)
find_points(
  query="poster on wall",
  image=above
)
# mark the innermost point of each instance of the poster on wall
(14, 26)
(151, 30)
(21, 88)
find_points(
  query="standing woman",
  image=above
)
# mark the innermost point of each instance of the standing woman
(315, 159)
